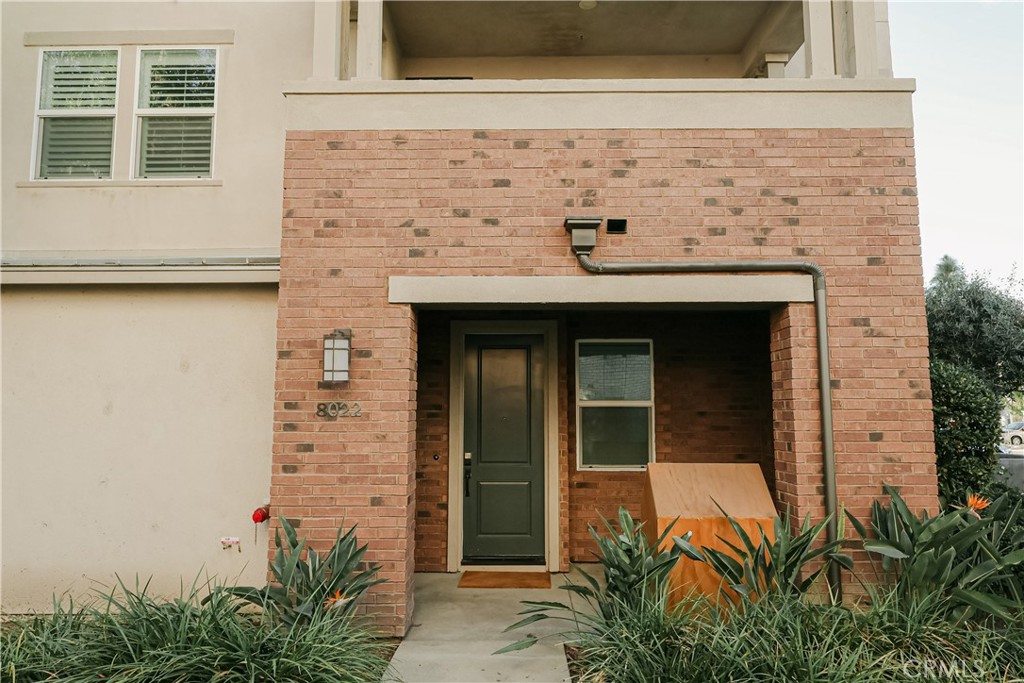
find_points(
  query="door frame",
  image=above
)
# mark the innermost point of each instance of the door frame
(548, 329)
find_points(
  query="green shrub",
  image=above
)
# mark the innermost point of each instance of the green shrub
(307, 585)
(913, 636)
(1014, 526)
(634, 567)
(979, 326)
(966, 414)
(131, 637)
(781, 636)
(783, 564)
(784, 638)
(635, 578)
(959, 555)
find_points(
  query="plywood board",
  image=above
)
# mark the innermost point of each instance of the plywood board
(691, 490)
(682, 496)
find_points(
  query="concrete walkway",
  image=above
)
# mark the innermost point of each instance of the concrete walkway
(455, 630)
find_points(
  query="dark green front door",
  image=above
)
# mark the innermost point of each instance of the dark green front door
(503, 465)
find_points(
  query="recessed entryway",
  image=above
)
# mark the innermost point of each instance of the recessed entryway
(502, 469)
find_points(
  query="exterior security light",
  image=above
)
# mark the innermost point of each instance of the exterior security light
(337, 348)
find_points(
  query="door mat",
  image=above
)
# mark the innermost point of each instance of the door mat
(505, 580)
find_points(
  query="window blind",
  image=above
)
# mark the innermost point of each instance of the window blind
(77, 98)
(79, 79)
(176, 102)
(175, 146)
(180, 79)
(75, 147)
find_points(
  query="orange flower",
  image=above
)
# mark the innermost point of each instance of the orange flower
(333, 601)
(976, 502)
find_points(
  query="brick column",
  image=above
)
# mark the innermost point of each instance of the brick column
(347, 470)
(796, 411)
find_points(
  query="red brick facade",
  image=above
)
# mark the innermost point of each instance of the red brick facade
(362, 206)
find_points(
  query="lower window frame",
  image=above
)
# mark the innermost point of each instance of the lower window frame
(581, 404)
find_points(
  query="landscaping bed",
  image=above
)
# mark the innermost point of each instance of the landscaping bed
(301, 628)
(944, 603)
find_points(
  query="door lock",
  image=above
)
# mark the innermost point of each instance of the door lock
(467, 471)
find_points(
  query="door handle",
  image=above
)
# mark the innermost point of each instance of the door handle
(467, 471)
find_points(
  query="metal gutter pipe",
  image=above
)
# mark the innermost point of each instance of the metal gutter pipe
(583, 243)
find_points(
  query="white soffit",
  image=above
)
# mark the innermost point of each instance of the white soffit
(600, 289)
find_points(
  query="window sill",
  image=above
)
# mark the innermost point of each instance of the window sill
(142, 182)
(611, 468)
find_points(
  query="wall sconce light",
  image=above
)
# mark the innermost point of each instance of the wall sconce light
(337, 349)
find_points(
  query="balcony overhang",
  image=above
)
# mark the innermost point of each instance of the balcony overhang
(598, 104)
(562, 28)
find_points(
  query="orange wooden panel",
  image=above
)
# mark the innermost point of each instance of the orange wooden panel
(689, 491)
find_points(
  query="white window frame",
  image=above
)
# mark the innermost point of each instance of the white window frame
(139, 112)
(580, 404)
(40, 114)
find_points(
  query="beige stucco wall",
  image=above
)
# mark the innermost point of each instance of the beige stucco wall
(600, 103)
(136, 433)
(240, 208)
(620, 66)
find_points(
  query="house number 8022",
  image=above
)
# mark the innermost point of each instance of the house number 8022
(333, 410)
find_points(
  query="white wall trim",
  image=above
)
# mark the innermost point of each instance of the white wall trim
(177, 276)
(599, 85)
(459, 290)
(38, 269)
(156, 37)
(456, 405)
(135, 183)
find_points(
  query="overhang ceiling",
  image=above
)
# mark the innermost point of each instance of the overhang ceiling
(549, 28)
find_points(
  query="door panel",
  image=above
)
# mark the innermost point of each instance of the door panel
(503, 512)
(504, 507)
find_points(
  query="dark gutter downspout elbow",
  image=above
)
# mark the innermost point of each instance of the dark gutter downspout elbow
(582, 251)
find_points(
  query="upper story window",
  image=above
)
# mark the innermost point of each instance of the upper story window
(175, 108)
(170, 135)
(76, 112)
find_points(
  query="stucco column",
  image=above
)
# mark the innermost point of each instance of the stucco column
(883, 46)
(370, 40)
(327, 39)
(865, 39)
(856, 39)
(819, 45)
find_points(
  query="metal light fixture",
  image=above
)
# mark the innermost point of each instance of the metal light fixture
(337, 349)
(588, 4)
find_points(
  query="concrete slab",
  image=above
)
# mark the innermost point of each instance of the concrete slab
(448, 661)
(455, 630)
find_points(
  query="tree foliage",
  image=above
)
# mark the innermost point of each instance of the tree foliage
(948, 271)
(966, 413)
(977, 325)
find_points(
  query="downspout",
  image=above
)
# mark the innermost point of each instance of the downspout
(584, 239)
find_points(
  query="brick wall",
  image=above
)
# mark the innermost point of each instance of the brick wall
(360, 206)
